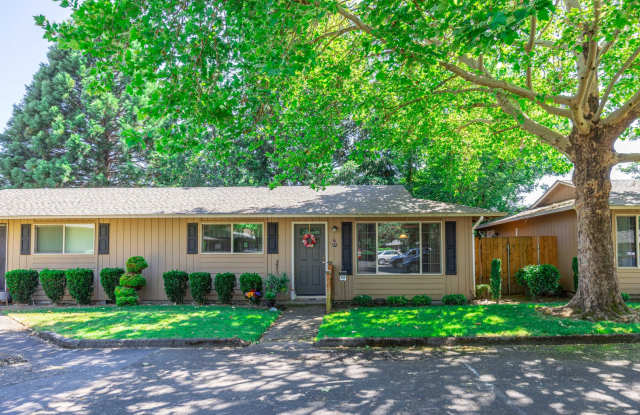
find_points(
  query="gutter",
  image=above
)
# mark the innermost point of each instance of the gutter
(473, 253)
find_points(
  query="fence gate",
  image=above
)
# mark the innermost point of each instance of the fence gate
(515, 253)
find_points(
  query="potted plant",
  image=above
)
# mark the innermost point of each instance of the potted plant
(270, 299)
(275, 284)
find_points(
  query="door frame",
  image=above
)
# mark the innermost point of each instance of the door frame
(293, 256)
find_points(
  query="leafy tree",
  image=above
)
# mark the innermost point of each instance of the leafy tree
(291, 72)
(61, 134)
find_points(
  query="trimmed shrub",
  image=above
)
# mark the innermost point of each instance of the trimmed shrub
(175, 285)
(421, 300)
(122, 301)
(539, 279)
(250, 281)
(362, 300)
(136, 281)
(397, 301)
(625, 297)
(110, 278)
(136, 264)
(125, 292)
(496, 279)
(483, 291)
(225, 283)
(576, 277)
(80, 284)
(22, 283)
(200, 285)
(53, 282)
(454, 299)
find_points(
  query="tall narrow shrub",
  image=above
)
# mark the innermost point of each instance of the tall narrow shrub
(22, 283)
(496, 279)
(224, 283)
(576, 277)
(80, 284)
(175, 285)
(109, 278)
(200, 285)
(53, 282)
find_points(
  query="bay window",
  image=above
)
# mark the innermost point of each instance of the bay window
(399, 248)
(65, 239)
(627, 240)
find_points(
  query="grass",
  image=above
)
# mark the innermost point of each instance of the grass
(150, 322)
(470, 320)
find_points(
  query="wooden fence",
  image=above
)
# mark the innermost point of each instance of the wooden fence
(515, 253)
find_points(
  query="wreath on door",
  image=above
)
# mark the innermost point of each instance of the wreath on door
(309, 240)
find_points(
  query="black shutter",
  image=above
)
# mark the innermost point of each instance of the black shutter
(272, 237)
(450, 244)
(103, 239)
(25, 239)
(347, 247)
(192, 238)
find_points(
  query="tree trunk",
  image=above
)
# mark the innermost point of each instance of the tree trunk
(598, 296)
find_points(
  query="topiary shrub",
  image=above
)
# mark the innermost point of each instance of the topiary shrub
(397, 301)
(109, 278)
(539, 279)
(136, 264)
(625, 297)
(175, 285)
(22, 283)
(80, 284)
(362, 300)
(126, 296)
(454, 299)
(496, 279)
(225, 283)
(200, 285)
(251, 286)
(136, 281)
(53, 282)
(576, 277)
(421, 300)
(483, 291)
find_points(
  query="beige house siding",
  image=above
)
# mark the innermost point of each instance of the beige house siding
(629, 278)
(162, 241)
(560, 193)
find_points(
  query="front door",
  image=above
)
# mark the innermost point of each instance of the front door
(3, 256)
(309, 261)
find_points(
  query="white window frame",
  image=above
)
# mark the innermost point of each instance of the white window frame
(64, 238)
(419, 222)
(615, 230)
(231, 252)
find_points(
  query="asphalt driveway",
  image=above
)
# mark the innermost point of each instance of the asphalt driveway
(287, 377)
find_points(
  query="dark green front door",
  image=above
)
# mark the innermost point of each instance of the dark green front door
(309, 262)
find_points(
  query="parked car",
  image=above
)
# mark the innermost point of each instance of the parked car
(385, 256)
(397, 260)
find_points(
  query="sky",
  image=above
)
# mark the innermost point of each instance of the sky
(23, 49)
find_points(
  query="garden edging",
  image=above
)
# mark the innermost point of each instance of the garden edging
(477, 341)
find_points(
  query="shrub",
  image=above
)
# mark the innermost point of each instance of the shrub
(225, 283)
(122, 301)
(421, 300)
(250, 281)
(539, 279)
(125, 292)
(496, 279)
(483, 291)
(576, 278)
(80, 284)
(200, 285)
(175, 285)
(53, 282)
(625, 297)
(277, 283)
(454, 299)
(136, 264)
(362, 300)
(397, 300)
(110, 278)
(136, 281)
(22, 283)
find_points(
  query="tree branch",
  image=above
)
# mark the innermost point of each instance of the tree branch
(615, 79)
(625, 114)
(335, 33)
(529, 48)
(627, 157)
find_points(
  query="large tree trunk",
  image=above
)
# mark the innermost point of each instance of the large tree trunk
(598, 296)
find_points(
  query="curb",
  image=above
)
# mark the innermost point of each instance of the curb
(476, 341)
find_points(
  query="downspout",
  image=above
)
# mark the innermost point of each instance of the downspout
(473, 253)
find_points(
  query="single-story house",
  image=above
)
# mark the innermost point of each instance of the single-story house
(248, 229)
(554, 214)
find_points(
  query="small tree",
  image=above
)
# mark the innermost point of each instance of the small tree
(496, 279)
(131, 282)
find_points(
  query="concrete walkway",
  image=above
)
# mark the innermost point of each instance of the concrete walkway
(297, 324)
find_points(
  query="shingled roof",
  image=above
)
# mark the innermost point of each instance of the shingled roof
(225, 201)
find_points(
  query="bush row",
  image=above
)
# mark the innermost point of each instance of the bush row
(22, 284)
(400, 301)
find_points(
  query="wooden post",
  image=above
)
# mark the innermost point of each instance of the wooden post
(329, 287)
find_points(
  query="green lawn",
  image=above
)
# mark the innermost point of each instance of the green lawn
(471, 320)
(150, 322)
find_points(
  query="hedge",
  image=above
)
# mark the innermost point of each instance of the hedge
(53, 282)
(22, 283)
(80, 284)
(109, 278)
(200, 285)
(225, 283)
(175, 285)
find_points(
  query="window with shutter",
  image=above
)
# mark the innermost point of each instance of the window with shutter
(103, 239)
(272, 237)
(192, 238)
(450, 243)
(347, 247)
(25, 239)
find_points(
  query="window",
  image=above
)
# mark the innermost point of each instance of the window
(627, 241)
(399, 248)
(232, 238)
(65, 239)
